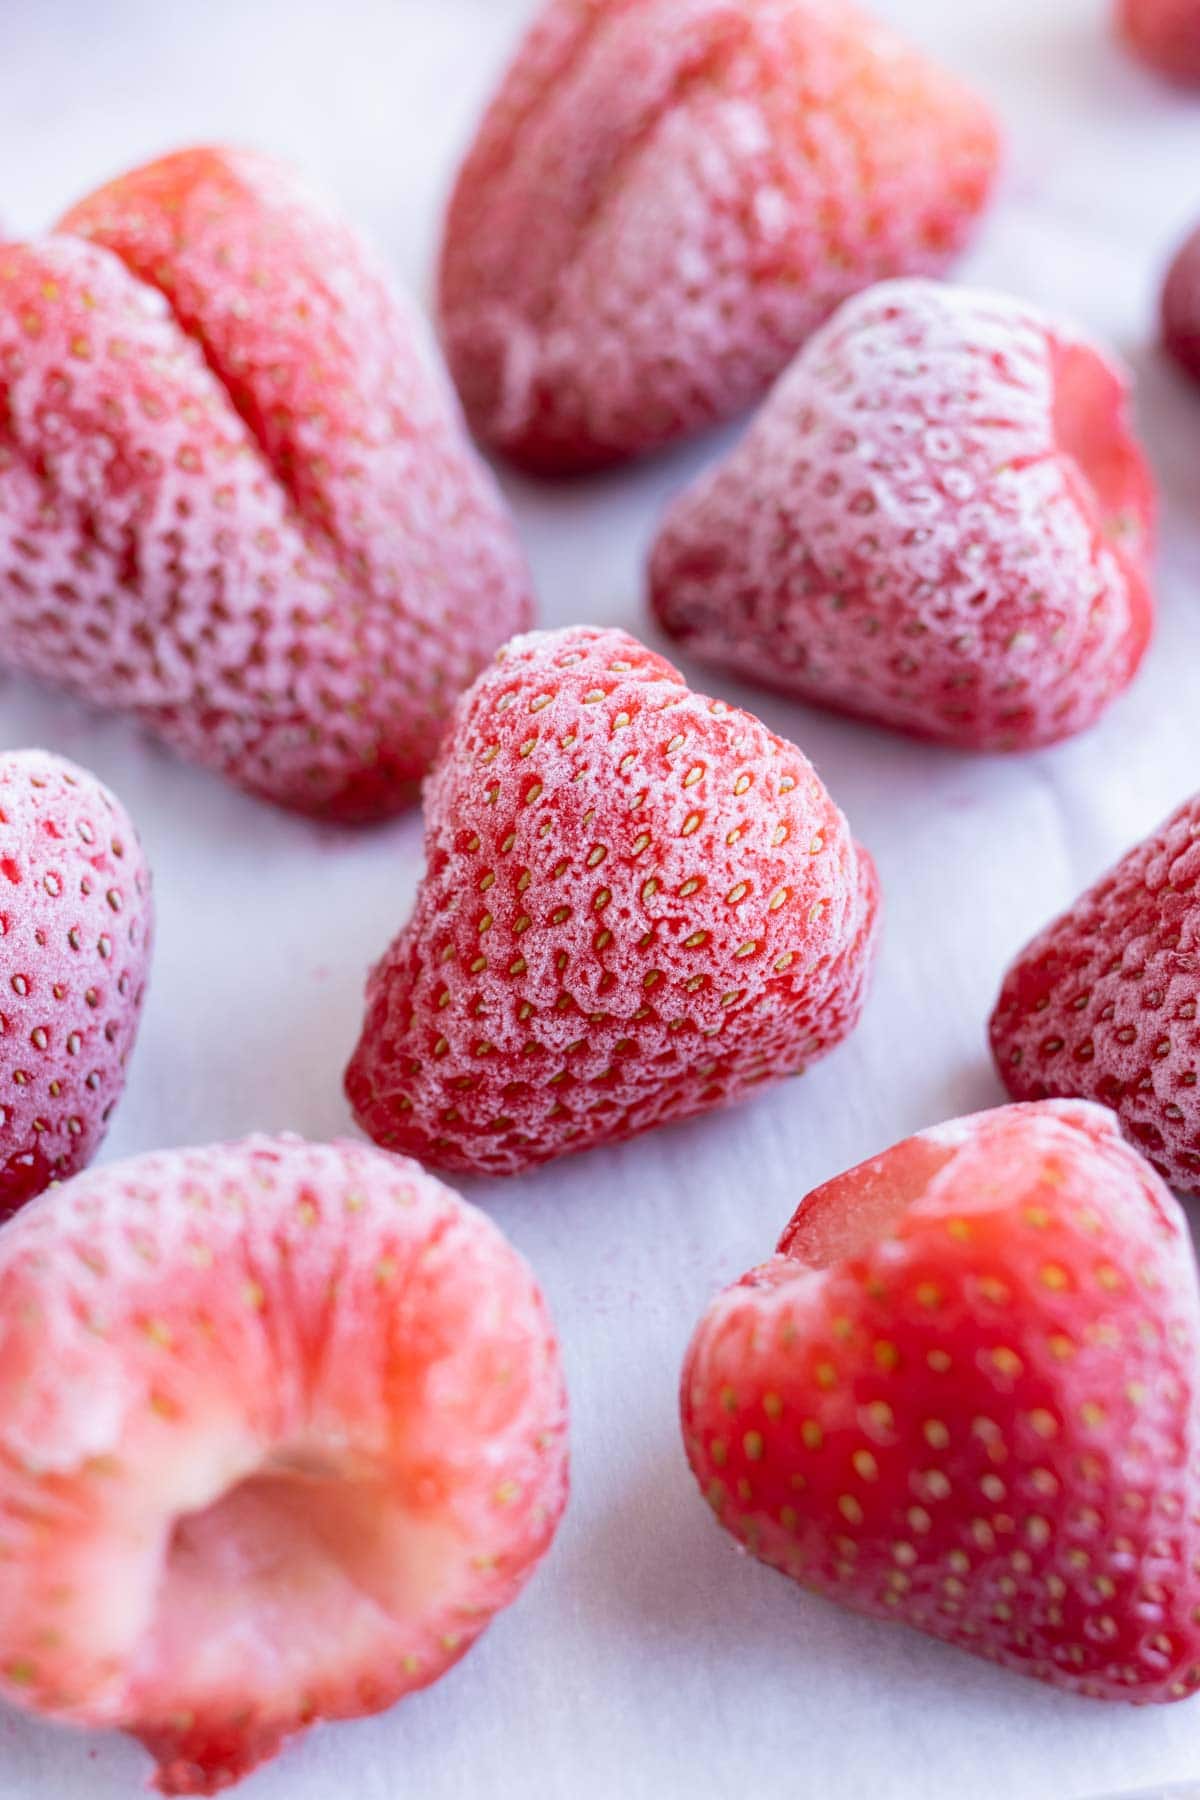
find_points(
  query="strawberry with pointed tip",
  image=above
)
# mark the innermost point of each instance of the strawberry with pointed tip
(667, 196)
(76, 930)
(941, 521)
(234, 501)
(963, 1395)
(639, 905)
(282, 1427)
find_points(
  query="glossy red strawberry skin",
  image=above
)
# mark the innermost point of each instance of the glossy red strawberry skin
(963, 1396)
(940, 521)
(234, 502)
(1103, 1003)
(1165, 34)
(667, 196)
(638, 905)
(76, 931)
(282, 1427)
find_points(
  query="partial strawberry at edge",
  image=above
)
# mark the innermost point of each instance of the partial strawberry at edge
(963, 1396)
(1103, 1003)
(1165, 34)
(234, 501)
(664, 199)
(76, 929)
(282, 1428)
(639, 904)
(940, 521)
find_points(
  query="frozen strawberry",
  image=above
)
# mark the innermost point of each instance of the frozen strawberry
(76, 922)
(1165, 34)
(282, 1427)
(639, 904)
(667, 196)
(1102, 1004)
(233, 500)
(964, 1395)
(940, 521)
(1181, 306)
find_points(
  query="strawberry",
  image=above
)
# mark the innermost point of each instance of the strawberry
(1165, 34)
(667, 196)
(963, 1395)
(940, 521)
(233, 501)
(1180, 306)
(639, 904)
(76, 923)
(282, 1427)
(1102, 1004)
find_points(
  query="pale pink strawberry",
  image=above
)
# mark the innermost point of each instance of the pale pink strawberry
(234, 502)
(76, 923)
(282, 1427)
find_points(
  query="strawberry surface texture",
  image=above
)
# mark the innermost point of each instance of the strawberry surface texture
(282, 1427)
(1102, 1004)
(639, 904)
(940, 521)
(234, 501)
(1165, 34)
(667, 196)
(76, 930)
(963, 1395)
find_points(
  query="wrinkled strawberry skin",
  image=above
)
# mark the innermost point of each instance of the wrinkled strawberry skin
(1103, 1003)
(639, 904)
(76, 934)
(234, 502)
(667, 196)
(940, 521)
(963, 1396)
(282, 1427)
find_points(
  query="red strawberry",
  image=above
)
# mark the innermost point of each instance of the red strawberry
(1165, 34)
(639, 904)
(1181, 306)
(243, 512)
(666, 196)
(76, 922)
(963, 1395)
(1102, 1004)
(282, 1426)
(940, 521)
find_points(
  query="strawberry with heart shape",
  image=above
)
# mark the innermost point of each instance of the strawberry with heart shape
(963, 1395)
(234, 501)
(639, 904)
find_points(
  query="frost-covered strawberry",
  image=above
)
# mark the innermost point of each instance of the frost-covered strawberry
(666, 196)
(233, 500)
(940, 521)
(639, 904)
(282, 1427)
(963, 1395)
(1103, 1003)
(76, 923)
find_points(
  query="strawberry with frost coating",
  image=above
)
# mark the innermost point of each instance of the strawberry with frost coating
(233, 500)
(667, 196)
(76, 930)
(639, 904)
(282, 1427)
(963, 1395)
(1103, 1003)
(940, 521)
(1165, 34)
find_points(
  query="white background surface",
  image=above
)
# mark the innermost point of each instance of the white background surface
(647, 1660)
